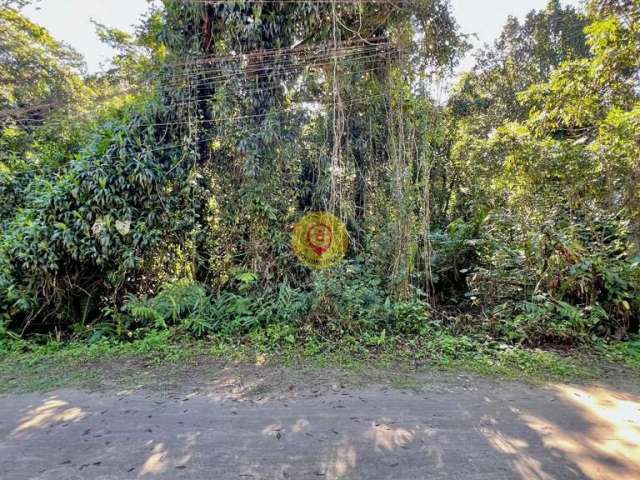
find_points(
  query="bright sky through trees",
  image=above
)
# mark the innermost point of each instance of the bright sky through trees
(69, 20)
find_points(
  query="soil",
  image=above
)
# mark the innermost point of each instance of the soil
(212, 421)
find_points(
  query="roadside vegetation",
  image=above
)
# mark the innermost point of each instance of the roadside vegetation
(147, 212)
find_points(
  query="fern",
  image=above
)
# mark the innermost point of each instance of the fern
(183, 303)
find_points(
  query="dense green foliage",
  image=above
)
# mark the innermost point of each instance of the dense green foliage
(563, 222)
(510, 212)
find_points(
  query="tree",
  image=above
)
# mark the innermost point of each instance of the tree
(297, 52)
(41, 80)
(561, 182)
(522, 55)
(36, 71)
(486, 98)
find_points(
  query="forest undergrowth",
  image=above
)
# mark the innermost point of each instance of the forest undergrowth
(148, 210)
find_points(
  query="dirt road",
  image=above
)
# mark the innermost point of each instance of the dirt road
(232, 426)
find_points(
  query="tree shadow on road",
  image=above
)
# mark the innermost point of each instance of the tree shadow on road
(237, 427)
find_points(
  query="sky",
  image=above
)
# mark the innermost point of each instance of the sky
(69, 20)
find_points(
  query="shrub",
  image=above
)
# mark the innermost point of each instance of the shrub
(545, 321)
(565, 282)
(454, 256)
(187, 305)
(351, 299)
(238, 313)
(83, 233)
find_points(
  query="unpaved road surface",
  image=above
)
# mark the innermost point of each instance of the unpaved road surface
(230, 426)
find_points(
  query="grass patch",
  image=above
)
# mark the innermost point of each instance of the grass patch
(625, 353)
(28, 367)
